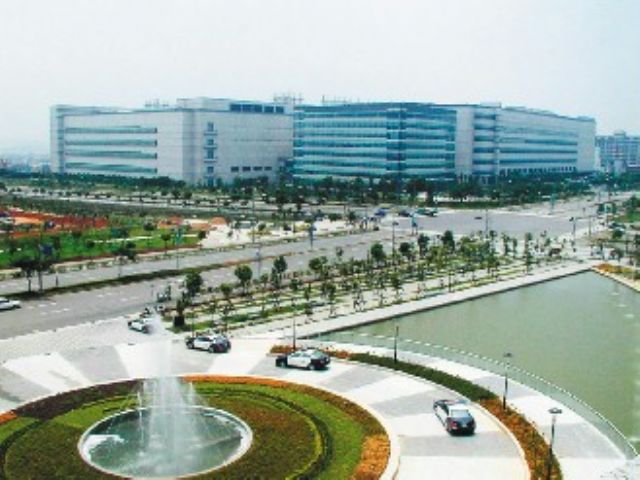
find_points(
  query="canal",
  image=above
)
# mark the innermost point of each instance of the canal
(581, 333)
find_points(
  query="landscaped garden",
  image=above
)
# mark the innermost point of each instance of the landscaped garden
(298, 431)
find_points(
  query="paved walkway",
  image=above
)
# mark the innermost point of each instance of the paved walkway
(404, 403)
(584, 452)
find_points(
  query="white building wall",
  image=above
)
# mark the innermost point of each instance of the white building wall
(254, 143)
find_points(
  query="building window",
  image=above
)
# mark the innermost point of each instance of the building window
(210, 153)
(210, 169)
(246, 169)
(267, 169)
(257, 169)
(210, 141)
(210, 126)
(235, 169)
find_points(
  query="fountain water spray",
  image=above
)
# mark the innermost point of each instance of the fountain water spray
(170, 433)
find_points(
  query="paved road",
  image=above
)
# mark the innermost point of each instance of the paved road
(404, 403)
(73, 308)
(60, 310)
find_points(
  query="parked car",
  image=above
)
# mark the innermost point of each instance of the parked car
(144, 324)
(455, 416)
(6, 304)
(380, 213)
(405, 213)
(212, 343)
(310, 359)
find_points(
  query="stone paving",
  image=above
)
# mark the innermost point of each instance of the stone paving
(45, 363)
(403, 403)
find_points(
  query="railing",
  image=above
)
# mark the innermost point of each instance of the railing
(494, 366)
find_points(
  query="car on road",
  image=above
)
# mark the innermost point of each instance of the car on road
(426, 212)
(405, 213)
(455, 416)
(310, 359)
(380, 213)
(144, 324)
(6, 304)
(212, 343)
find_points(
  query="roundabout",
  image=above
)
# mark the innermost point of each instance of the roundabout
(419, 447)
(245, 426)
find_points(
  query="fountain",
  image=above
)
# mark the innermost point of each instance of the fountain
(169, 433)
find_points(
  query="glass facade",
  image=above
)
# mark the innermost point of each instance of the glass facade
(374, 140)
(507, 140)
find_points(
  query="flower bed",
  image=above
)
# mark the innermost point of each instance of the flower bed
(532, 443)
(298, 431)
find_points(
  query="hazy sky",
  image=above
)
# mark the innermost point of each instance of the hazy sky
(576, 57)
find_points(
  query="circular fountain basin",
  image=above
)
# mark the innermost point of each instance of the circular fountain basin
(157, 443)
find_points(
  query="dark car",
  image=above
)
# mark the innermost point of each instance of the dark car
(455, 417)
(310, 359)
(405, 213)
(210, 342)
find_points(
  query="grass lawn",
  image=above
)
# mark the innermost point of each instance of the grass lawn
(298, 431)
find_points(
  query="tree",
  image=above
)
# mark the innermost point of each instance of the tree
(406, 250)
(396, 284)
(317, 265)
(244, 275)
(28, 267)
(378, 254)
(423, 244)
(148, 227)
(226, 290)
(280, 267)
(294, 286)
(193, 283)
(165, 237)
(448, 241)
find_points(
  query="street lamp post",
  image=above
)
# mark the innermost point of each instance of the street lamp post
(293, 333)
(486, 223)
(394, 223)
(507, 356)
(395, 344)
(259, 260)
(555, 411)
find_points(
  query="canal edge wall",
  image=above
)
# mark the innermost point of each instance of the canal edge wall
(415, 306)
(617, 278)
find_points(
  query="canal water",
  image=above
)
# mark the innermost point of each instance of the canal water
(581, 333)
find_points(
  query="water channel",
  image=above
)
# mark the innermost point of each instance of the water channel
(581, 333)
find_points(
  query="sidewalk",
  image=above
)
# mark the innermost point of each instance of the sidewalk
(583, 452)
(403, 403)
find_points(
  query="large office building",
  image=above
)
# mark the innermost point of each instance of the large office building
(619, 152)
(434, 141)
(199, 141)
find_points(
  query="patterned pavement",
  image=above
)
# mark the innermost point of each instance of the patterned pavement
(403, 403)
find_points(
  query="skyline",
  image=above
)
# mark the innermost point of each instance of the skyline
(572, 57)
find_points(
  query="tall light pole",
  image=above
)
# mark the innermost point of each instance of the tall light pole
(507, 356)
(259, 260)
(555, 411)
(486, 222)
(394, 223)
(395, 344)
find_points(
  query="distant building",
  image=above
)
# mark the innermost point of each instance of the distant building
(433, 141)
(619, 152)
(199, 140)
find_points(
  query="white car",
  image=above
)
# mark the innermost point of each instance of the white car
(142, 324)
(213, 343)
(307, 359)
(6, 304)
